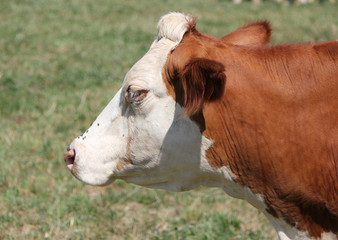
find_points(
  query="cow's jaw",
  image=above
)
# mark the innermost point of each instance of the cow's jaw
(167, 150)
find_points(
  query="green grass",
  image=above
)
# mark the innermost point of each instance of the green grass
(60, 64)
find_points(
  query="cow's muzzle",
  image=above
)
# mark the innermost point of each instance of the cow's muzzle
(69, 158)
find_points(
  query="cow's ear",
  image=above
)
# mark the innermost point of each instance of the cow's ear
(202, 80)
(253, 34)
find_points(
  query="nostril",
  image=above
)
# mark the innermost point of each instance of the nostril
(69, 158)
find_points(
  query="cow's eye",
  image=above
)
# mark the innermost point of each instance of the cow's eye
(134, 95)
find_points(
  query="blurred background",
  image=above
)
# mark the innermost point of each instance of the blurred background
(60, 64)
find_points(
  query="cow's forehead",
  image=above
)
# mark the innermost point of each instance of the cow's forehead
(147, 72)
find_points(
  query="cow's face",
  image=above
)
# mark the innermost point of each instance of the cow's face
(142, 136)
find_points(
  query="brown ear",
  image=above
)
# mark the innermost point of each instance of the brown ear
(253, 34)
(202, 80)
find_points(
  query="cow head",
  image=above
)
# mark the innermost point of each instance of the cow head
(151, 132)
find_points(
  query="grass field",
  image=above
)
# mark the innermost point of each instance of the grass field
(60, 63)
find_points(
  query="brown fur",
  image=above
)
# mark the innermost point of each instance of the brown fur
(201, 80)
(253, 34)
(275, 126)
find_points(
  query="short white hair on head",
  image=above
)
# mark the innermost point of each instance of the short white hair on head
(173, 26)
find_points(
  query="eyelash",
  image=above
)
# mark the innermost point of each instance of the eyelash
(135, 95)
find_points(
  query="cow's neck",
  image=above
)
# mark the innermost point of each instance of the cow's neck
(242, 133)
(230, 145)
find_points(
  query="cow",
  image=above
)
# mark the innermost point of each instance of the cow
(258, 121)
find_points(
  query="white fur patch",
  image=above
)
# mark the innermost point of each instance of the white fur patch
(173, 26)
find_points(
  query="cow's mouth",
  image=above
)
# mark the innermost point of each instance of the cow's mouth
(69, 158)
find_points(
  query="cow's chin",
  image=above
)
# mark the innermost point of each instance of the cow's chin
(92, 174)
(89, 166)
(90, 178)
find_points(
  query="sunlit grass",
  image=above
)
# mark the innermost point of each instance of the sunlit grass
(60, 64)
